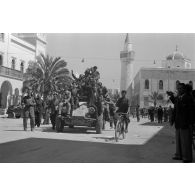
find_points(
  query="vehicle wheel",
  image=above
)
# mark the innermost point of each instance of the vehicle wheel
(99, 124)
(18, 116)
(117, 131)
(59, 124)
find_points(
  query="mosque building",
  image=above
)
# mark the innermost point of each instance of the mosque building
(147, 81)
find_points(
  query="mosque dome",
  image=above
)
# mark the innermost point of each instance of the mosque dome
(176, 55)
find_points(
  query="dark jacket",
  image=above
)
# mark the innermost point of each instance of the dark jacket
(183, 112)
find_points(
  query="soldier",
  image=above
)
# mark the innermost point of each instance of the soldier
(38, 110)
(165, 114)
(137, 113)
(160, 114)
(28, 104)
(64, 105)
(74, 97)
(170, 113)
(54, 110)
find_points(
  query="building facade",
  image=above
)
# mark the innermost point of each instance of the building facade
(16, 51)
(176, 68)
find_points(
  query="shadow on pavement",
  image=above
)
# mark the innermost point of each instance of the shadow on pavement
(75, 130)
(154, 124)
(159, 149)
(105, 138)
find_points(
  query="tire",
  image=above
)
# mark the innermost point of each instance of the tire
(59, 124)
(18, 115)
(117, 131)
(99, 124)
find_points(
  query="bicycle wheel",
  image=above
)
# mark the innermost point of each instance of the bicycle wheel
(117, 131)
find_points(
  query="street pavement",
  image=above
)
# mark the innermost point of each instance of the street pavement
(145, 142)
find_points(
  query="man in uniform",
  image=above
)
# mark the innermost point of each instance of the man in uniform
(28, 104)
(65, 105)
(137, 113)
(54, 107)
(38, 110)
(160, 114)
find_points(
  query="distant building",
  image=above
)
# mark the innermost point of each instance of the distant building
(16, 51)
(175, 68)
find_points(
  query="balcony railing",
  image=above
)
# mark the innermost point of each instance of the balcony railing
(16, 74)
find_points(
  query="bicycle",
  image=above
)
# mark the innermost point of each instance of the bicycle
(120, 126)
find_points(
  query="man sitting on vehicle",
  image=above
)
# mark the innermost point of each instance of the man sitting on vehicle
(123, 107)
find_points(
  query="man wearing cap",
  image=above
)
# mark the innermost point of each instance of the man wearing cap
(28, 104)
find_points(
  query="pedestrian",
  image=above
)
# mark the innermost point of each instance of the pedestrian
(28, 104)
(112, 109)
(165, 114)
(54, 110)
(160, 114)
(142, 112)
(170, 114)
(46, 110)
(183, 118)
(137, 113)
(151, 113)
(99, 108)
(106, 113)
(155, 114)
(38, 110)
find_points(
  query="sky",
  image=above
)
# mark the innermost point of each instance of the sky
(103, 50)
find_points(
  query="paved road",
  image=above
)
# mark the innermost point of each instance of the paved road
(145, 142)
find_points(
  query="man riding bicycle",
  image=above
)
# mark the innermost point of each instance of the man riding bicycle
(123, 107)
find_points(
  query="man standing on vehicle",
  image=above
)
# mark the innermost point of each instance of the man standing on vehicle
(124, 107)
(64, 105)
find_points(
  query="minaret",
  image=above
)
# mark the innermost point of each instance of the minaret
(127, 58)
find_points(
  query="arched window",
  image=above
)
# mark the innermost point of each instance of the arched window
(191, 83)
(176, 84)
(161, 85)
(146, 84)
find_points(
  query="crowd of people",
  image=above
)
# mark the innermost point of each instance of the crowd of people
(160, 114)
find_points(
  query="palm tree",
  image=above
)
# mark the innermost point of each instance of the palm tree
(46, 75)
(155, 96)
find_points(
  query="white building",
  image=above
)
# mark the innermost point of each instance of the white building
(16, 51)
(176, 68)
